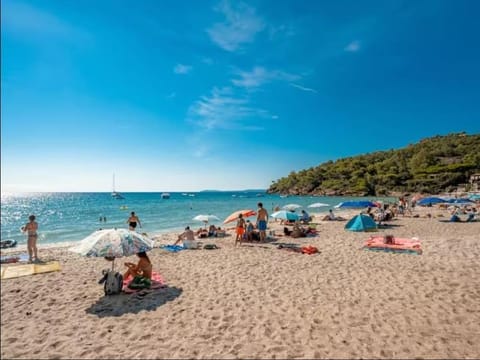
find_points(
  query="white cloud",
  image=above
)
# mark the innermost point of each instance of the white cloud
(223, 109)
(259, 76)
(354, 46)
(303, 88)
(182, 69)
(240, 26)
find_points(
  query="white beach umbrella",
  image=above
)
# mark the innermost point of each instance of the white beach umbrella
(291, 206)
(205, 218)
(317, 205)
(113, 243)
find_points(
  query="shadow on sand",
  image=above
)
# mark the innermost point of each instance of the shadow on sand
(149, 300)
(388, 226)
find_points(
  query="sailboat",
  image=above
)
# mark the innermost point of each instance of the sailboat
(115, 194)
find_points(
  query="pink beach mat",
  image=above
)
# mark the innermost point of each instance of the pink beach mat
(157, 283)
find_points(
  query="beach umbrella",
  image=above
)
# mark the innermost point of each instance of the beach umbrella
(113, 243)
(460, 201)
(205, 218)
(317, 205)
(234, 216)
(285, 215)
(291, 207)
(430, 200)
(475, 197)
(356, 204)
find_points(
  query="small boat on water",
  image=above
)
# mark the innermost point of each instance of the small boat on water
(165, 195)
(115, 194)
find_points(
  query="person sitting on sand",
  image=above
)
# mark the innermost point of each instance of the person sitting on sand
(142, 269)
(298, 231)
(212, 231)
(249, 232)
(202, 233)
(305, 218)
(188, 238)
(220, 232)
(330, 216)
(471, 215)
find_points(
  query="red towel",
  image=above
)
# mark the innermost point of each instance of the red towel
(157, 283)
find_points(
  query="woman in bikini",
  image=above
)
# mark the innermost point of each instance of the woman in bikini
(30, 229)
(133, 220)
(143, 268)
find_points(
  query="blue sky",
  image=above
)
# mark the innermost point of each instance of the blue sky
(191, 95)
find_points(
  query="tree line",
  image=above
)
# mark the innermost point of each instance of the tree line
(433, 165)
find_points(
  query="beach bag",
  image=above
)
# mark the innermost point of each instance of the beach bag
(113, 282)
(140, 282)
(309, 250)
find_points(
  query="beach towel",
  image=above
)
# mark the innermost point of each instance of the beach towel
(412, 246)
(172, 248)
(18, 270)
(14, 258)
(157, 283)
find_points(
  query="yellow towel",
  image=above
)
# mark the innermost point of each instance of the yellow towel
(17, 270)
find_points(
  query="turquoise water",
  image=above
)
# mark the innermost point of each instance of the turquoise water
(72, 216)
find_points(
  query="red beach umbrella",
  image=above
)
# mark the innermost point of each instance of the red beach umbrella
(234, 216)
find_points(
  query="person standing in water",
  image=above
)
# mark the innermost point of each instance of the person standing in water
(30, 229)
(133, 220)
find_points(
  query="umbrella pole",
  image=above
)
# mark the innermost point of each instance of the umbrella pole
(113, 264)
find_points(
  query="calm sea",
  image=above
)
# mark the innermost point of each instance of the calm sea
(72, 216)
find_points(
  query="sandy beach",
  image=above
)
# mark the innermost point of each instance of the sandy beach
(258, 301)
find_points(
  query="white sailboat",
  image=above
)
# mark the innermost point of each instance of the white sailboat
(115, 194)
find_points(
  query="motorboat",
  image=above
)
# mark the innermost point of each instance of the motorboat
(165, 195)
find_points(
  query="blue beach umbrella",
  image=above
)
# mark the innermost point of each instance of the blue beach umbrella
(355, 204)
(430, 201)
(459, 201)
(285, 215)
(475, 197)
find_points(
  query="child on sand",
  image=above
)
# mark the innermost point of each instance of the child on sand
(240, 229)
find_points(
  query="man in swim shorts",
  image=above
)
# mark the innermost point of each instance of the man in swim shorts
(262, 218)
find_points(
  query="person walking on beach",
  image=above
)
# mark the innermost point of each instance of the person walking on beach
(240, 229)
(30, 229)
(133, 220)
(262, 218)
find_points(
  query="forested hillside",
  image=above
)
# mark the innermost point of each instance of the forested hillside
(433, 165)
